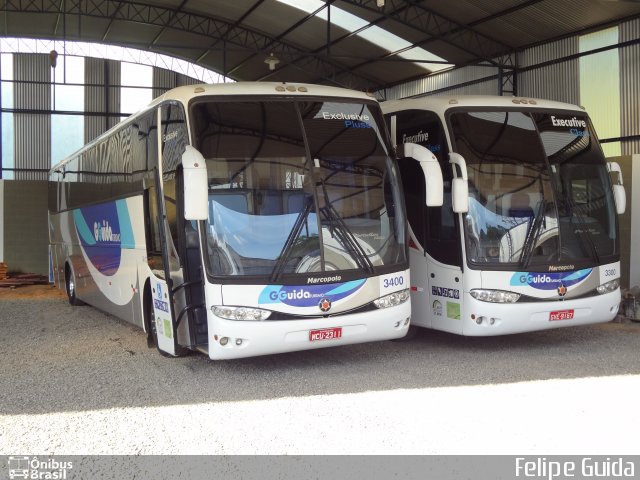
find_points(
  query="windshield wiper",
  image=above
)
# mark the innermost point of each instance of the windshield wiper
(586, 232)
(533, 235)
(345, 236)
(291, 240)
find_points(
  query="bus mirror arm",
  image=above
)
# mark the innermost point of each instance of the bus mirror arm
(196, 188)
(619, 193)
(430, 168)
(459, 184)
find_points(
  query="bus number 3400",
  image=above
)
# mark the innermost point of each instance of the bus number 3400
(393, 282)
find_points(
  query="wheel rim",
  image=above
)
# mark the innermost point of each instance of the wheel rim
(71, 285)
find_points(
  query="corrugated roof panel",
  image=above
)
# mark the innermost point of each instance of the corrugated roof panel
(630, 87)
(440, 81)
(95, 97)
(548, 52)
(554, 82)
(247, 27)
(31, 151)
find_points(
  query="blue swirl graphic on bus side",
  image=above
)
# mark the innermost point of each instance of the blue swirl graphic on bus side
(104, 230)
(549, 281)
(307, 295)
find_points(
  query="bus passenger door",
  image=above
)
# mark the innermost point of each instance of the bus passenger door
(435, 245)
(162, 256)
(159, 257)
(184, 242)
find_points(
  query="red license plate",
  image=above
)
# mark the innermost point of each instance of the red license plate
(561, 315)
(325, 334)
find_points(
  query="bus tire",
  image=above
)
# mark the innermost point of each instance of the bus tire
(70, 286)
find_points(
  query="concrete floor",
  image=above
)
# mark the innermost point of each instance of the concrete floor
(77, 381)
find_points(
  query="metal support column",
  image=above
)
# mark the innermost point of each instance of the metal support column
(508, 75)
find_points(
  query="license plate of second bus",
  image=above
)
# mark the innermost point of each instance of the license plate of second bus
(561, 315)
(325, 334)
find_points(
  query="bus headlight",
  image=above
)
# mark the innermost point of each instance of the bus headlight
(240, 313)
(494, 296)
(392, 299)
(609, 286)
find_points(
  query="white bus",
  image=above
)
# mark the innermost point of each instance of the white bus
(527, 237)
(240, 220)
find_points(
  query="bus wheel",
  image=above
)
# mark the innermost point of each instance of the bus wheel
(70, 284)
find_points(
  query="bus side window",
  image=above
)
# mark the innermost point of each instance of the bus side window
(170, 208)
(154, 249)
(147, 145)
(154, 246)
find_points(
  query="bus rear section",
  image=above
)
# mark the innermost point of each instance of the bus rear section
(263, 222)
(527, 238)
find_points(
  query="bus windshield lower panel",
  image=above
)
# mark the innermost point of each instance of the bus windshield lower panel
(298, 187)
(540, 193)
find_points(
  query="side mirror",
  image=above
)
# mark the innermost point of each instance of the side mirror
(196, 188)
(459, 185)
(619, 193)
(430, 168)
(620, 196)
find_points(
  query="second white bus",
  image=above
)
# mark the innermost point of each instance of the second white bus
(527, 237)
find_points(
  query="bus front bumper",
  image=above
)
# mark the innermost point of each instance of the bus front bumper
(485, 319)
(229, 339)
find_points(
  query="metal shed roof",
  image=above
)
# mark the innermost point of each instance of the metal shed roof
(234, 37)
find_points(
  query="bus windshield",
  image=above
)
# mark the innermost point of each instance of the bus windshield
(297, 187)
(539, 190)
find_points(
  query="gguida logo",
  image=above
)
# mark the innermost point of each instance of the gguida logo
(308, 295)
(103, 232)
(550, 280)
